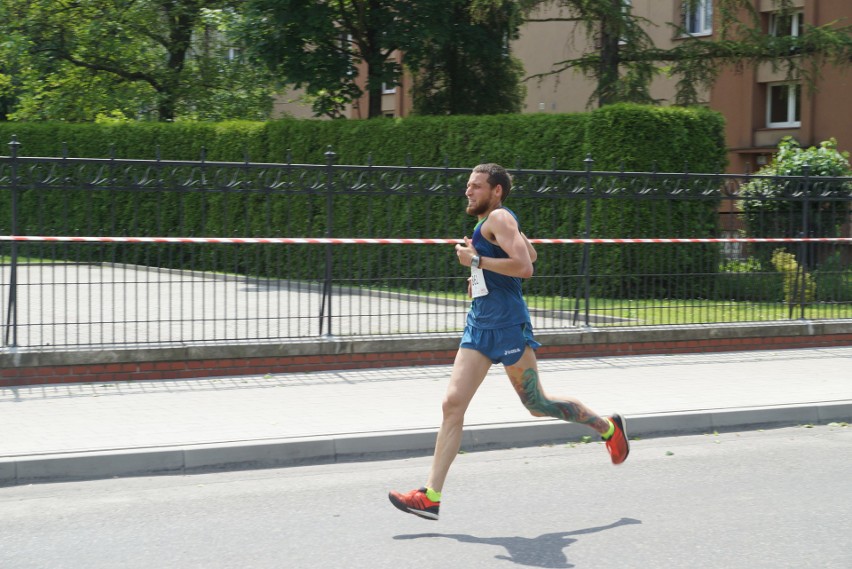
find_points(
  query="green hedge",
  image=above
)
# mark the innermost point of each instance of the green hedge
(665, 139)
(632, 137)
(636, 137)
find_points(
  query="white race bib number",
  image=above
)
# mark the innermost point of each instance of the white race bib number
(477, 283)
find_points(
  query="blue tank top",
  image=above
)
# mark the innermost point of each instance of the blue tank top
(504, 304)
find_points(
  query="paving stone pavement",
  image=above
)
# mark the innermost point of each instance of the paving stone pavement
(88, 431)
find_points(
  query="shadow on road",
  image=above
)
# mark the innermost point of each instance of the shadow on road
(545, 550)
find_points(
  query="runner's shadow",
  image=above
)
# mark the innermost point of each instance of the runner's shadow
(542, 551)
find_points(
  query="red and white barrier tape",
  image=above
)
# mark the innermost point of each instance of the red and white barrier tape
(395, 241)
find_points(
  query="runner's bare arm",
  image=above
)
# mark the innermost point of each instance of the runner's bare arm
(504, 229)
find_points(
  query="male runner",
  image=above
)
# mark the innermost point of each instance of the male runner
(497, 330)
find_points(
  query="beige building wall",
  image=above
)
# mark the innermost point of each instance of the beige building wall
(291, 104)
(543, 45)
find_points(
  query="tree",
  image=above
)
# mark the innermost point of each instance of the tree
(463, 66)
(623, 59)
(448, 46)
(317, 45)
(161, 58)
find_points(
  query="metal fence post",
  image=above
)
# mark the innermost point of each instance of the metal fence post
(11, 335)
(587, 234)
(804, 261)
(325, 308)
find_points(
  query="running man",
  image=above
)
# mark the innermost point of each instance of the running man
(498, 330)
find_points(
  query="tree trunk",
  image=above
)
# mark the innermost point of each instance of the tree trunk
(167, 106)
(374, 95)
(610, 37)
(372, 54)
(182, 18)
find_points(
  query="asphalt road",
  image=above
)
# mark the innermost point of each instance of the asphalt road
(775, 499)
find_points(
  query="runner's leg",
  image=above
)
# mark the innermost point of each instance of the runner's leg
(524, 377)
(469, 369)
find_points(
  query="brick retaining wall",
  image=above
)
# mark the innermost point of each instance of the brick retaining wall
(41, 367)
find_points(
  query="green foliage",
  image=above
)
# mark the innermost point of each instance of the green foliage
(793, 160)
(453, 49)
(749, 265)
(614, 136)
(538, 141)
(318, 45)
(833, 280)
(315, 45)
(799, 286)
(780, 208)
(665, 139)
(148, 60)
(643, 138)
(528, 141)
(748, 280)
(462, 67)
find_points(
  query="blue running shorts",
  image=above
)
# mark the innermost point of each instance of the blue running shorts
(501, 345)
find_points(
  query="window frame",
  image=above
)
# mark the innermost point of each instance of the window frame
(794, 103)
(704, 9)
(797, 23)
(626, 8)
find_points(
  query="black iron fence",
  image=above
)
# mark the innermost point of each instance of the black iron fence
(115, 252)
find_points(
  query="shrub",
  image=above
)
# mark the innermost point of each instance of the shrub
(779, 207)
(748, 280)
(833, 280)
(799, 286)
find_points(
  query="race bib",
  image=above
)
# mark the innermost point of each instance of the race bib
(477, 283)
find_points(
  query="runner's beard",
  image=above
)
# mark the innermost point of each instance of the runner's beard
(477, 209)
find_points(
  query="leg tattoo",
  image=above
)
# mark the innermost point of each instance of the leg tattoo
(539, 405)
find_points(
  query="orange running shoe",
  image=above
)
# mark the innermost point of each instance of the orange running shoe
(618, 445)
(415, 502)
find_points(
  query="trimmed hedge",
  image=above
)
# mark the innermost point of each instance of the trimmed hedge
(663, 139)
(632, 137)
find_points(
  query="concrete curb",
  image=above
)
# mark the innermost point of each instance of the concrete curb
(256, 454)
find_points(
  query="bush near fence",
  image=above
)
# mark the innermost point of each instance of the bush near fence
(617, 137)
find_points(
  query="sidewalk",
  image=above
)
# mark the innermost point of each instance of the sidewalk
(87, 431)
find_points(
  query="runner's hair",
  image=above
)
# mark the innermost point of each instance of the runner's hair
(496, 175)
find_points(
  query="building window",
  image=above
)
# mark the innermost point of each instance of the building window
(783, 105)
(626, 9)
(388, 89)
(786, 24)
(698, 17)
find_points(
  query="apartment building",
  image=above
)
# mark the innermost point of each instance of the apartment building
(760, 105)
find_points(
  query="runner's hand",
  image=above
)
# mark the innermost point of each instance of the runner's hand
(465, 252)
